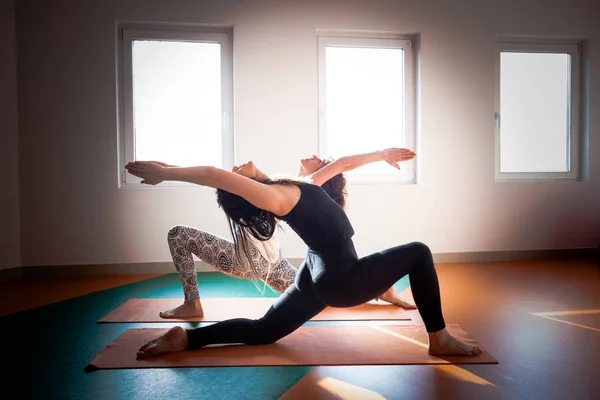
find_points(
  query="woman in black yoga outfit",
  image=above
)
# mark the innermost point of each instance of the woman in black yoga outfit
(331, 275)
(266, 262)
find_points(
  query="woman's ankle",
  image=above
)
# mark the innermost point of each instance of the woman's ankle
(438, 336)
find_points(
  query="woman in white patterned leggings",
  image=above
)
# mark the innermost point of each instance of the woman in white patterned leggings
(267, 263)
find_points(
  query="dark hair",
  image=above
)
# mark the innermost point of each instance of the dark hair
(245, 219)
(336, 189)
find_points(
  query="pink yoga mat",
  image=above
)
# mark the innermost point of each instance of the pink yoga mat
(367, 344)
(219, 309)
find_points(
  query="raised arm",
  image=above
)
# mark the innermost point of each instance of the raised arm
(273, 198)
(250, 170)
(347, 163)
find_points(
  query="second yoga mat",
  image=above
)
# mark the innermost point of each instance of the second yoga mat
(219, 309)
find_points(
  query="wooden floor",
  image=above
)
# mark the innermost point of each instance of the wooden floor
(27, 294)
(541, 320)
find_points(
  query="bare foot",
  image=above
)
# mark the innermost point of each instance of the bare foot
(175, 339)
(187, 310)
(392, 297)
(442, 343)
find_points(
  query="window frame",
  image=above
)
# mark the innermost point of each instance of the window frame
(126, 34)
(408, 173)
(573, 49)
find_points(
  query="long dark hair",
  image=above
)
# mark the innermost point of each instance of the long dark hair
(245, 219)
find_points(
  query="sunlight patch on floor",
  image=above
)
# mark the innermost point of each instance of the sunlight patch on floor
(347, 391)
(451, 370)
(411, 340)
(456, 372)
(553, 314)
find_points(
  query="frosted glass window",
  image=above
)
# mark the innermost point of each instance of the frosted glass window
(177, 102)
(538, 97)
(534, 112)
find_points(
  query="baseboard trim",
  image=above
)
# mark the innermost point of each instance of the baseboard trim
(518, 255)
(10, 274)
(166, 267)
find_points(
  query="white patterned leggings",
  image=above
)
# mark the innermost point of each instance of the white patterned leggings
(219, 254)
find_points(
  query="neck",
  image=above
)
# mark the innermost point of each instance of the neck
(302, 172)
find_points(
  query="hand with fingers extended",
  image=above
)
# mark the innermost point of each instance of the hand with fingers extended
(395, 155)
(151, 172)
(162, 164)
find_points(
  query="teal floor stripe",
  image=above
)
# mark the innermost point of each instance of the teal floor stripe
(54, 343)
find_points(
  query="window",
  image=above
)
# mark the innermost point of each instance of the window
(175, 98)
(366, 102)
(537, 111)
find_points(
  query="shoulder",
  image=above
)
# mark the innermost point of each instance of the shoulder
(307, 184)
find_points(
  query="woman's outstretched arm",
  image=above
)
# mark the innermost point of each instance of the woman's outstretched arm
(271, 198)
(347, 163)
(250, 170)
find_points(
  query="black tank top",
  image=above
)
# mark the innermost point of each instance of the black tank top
(325, 228)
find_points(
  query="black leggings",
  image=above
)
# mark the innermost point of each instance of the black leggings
(369, 278)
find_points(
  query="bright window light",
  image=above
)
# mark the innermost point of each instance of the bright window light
(364, 102)
(177, 102)
(367, 102)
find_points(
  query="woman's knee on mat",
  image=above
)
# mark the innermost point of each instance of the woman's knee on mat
(267, 333)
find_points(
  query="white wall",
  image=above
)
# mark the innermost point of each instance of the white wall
(73, 212)
(10, 252)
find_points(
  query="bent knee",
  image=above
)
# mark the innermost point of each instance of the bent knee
(264, 337)
(266, 340)
(421, 249)
(267, 333)
(175, 231)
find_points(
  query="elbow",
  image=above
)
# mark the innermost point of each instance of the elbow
(209, 172)
(209, 175)
(204, 176)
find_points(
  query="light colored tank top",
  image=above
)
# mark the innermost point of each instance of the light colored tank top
(270, 249)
